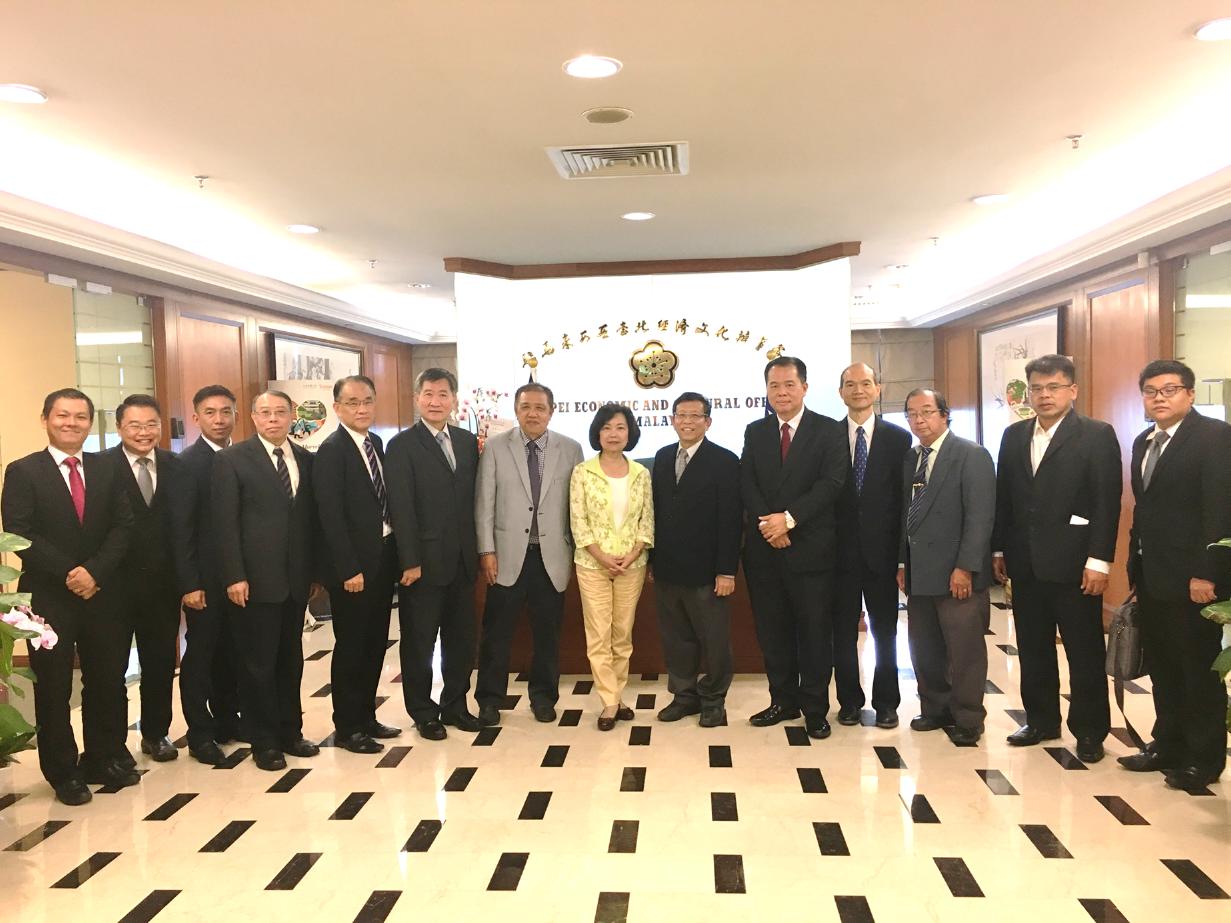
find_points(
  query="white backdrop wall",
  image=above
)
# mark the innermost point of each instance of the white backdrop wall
(719, 326)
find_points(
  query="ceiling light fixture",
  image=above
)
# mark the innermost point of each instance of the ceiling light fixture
(1217, 30)
(607, 115)
(420, 284)
(303, 228)
(591, 67)
(21, 93)
(990, 198)
(1208, 301)
(637, 216)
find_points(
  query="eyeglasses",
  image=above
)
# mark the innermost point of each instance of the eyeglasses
(266, 413)
(1053, 387)
(920, 415)
(355, 405)
(143, 427)
(689, 417)
(1166, 391)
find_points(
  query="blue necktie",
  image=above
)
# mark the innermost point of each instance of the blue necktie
(861, 459)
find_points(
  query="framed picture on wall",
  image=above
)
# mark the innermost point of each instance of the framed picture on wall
(304, 360)
(1003, 354)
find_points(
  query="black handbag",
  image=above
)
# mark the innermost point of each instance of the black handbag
(1125, 658)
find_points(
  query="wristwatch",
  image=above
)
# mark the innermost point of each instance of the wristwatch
(790, 520)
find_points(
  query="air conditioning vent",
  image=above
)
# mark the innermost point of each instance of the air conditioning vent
(668, 158)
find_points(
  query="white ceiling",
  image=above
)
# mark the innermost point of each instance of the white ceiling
(412, 130)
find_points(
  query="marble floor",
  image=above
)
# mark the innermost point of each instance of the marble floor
(650, 822)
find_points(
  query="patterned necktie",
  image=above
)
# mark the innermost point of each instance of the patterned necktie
(536, 487)
(786, 440)
(1156, 449)
(284, 473)
(378, 480)
(861, 459)
(145, 482)
(447, 448)
(919, 487)
(681, 462)
(76, 487)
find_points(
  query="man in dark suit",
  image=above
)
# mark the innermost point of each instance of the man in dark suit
(869, 524)
(430, 474)
(1058, 487)
(72, 508)
(359, 566)
(151, 476)
(1181, 473)
(946, 568)
(209, 692)
(264, 533)
(697, 531)
(792, 472)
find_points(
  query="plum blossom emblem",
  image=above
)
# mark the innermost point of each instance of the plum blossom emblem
(654, 365)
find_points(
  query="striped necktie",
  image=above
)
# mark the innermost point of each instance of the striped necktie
(919, 487)
(378, 480)
(284, 473)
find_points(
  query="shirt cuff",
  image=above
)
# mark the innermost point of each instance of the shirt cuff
(997, 554)
(1103, 567)
(727, 576)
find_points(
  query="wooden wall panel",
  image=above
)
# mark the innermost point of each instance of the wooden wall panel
(213, 355)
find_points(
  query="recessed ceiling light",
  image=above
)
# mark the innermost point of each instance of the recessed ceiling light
(591, 67)
(1217, 30)
(637, 216)
(302, 228)
(607, 115)
(420, 284)
(990, 198)
(21, 93)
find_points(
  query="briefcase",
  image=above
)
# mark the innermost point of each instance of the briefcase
(1125, 660)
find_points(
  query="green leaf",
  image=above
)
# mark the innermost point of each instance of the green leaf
(9, 600)
(1224, 543)
(8, 574)
(25, 673)
(1222, 663)
(16, 690)
(7, 637)
(1219, 612)
(15, 732)
(11, 542)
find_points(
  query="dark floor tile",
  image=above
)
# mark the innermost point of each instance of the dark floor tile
(1102, 910)
(811, 781)
(485, 737)
(867, 718)
(1122, 735)
(136, 725)
(990, 688)
(115, 789)
(330, 741)
(555, 756)
(351, 805)
(1065, 758)
(509, 702)
(381, 700)
(797, 736)
(1016, 715)
(997, 782)
(508, 871)
(1135, 688)
(423, 836)
(36, 836)
(853, 909)
(460, 778)
(729, 875)
(1003, 607)
(570, 718)
(294, 870)
(180, 742)
(170, 806)
(920, 809)
(720, 757)
(723, 806)
(535, 806)
(890, 758)
(323, 691)
(235, 757)
(645, 700)
(1012, 652)
(632, 779)
(1046, 842)
(830, 839)
(522, 677)
(623, 836)
(287, 781)
(318, 655)
(1120, 810)
(639, 736)
(11, 799)
(87, 870)
(957, 876)
(377, 907)
(391, 641)
(649, 677)
(989, 632)
(396, 679)
(392, 757)
(1066, 696)
(149, 907)
(227, 836)
(612, 907)
(1196, 880)
(583, 687)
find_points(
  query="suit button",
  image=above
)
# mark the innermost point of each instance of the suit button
(531, 509)
(527, 531)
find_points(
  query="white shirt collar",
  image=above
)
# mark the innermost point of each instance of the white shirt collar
(436, 432)
(213, 445)
(868, 425)
(793, 422)
(1170, 430)
(691, 451)
(355, 435)
(935, 446)
(133, 456)
(59, 455)
(269, 446)
(1043, 431)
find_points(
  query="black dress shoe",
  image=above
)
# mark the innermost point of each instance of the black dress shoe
(160, 750)
(430, 730)
(773, 715)
(544, 714)
(713, 716)
(269, 760)
(111, 773)
(359, 742)
(964, 736)
(125, 759)
(848, 715)
(606, 723)
(675, 710)
(208, 753)
(886, 718)
(382, 731)
(1089, 750)
(301, 747)
(73, 792)
(1191, 779)
(817, 727)
(624, 713)
(224, 734)
(1147, 761)
(463, 721)
(1028, 735)
(926, 723)
(489, 715)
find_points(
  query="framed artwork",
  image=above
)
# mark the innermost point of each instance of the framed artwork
(1003, 354)
(304, 360)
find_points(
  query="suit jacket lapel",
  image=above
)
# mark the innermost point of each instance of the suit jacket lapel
(550, 460)
(803, 435)
(425, 436)
(1187, 428)
(517, 452)
(1026, 450)
(1065, 431)
(53, 471)
(940, 471)
(264, 463)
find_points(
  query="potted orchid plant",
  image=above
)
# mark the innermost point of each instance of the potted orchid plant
(17, 621)
(1220, 614)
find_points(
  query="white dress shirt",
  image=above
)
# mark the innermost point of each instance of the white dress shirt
(852, 436)
(359, 438)
(793, 423)
(136, 467)
(58, 457)
(288, 455)
(1170, 431)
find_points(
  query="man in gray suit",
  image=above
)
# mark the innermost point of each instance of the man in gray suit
(945, 568)
(525, 549)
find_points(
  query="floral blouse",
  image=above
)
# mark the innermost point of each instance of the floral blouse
(592, 518)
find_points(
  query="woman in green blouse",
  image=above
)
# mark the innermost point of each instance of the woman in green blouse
(612, 518)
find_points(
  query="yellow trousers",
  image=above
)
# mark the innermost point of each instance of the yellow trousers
(609, 606)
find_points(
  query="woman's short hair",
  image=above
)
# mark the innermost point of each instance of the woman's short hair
(605, 413)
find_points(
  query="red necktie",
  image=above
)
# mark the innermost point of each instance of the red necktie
(76, 487)
(786, 439)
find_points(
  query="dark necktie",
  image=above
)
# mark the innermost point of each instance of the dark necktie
(861, 459)
(536, 487)
(378, 481)
(786, 440)
(145, 481)
(1156, 449)
(919, 486)
(76, 487)
(284, 473)
(681, 462)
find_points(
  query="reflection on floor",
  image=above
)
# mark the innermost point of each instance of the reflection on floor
(649, 822)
